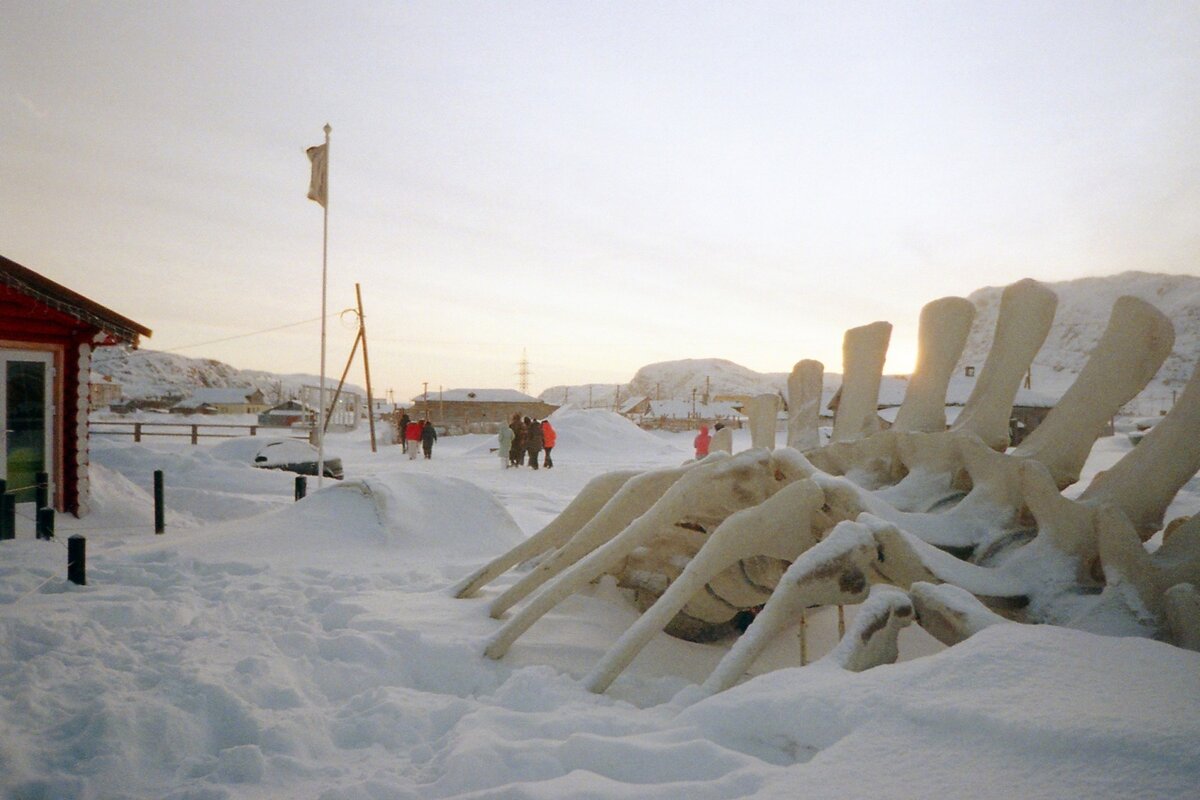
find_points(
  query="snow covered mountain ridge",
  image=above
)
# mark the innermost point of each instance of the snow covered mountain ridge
(152, 373)
(1084, 306)
(1083, 310)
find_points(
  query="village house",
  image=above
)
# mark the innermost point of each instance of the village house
(47, 335)
(105, 393)
(680, 414)
(222, 401)
(480, 410)
(285, 415)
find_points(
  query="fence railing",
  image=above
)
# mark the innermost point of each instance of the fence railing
(193, 430)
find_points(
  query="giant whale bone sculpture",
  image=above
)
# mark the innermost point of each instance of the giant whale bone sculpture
(1105, 364)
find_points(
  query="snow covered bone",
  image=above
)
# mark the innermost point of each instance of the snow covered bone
(1010, 508)
(698, 501)
(804, 404)
(1026, 314)
(590, 500)
(864, 350)
(943, 330)
(635, 497)
(763, 411)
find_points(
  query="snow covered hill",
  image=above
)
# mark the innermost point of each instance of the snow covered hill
(151, 373)
(1084, 306)
(1083, 310)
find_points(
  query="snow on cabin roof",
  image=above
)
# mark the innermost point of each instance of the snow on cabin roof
(631, 404)
(960, 388)
(218, 396)
(478, 396)
(682, 409)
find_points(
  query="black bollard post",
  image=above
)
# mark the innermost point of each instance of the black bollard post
(77, 559)
(301, 487)
(8, 516)
(45, 523)
(160, 515)
(41, 492)
(5, 531)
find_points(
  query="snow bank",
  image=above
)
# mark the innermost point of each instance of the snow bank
(313, 650)
(598, 434)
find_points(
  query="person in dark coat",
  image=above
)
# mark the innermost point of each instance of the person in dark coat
(401, 428)
(516, 454)
(533, 440)
(428, 437)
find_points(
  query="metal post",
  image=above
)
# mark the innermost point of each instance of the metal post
(8, 514)
(77, 559)
(195, 434)
(137, 431)
(301, 487)
(160, 524)
(45, 523)
(41, 490)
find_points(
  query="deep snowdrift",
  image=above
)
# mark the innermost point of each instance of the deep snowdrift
(312, 650)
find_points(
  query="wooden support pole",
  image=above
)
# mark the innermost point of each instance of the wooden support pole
(803, 638)
(160, 513)
(338, 391)
(362, 332)
(77, 559)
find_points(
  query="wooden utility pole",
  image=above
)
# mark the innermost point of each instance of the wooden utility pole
(362, 332)
(360, 337)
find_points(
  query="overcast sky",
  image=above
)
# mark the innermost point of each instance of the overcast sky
(599, 184)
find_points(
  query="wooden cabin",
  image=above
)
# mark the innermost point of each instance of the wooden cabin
(47, 336)
(477, 409)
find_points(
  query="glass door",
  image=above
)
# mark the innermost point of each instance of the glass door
(26, 420)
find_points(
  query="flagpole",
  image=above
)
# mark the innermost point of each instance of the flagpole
(324, 280)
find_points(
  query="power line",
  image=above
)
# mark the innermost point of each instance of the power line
(242, 335)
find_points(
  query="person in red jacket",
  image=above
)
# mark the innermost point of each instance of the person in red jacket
(412, 439)
(549, 436)
(701, 442)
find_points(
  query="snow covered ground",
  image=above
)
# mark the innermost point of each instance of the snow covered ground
(263, 648)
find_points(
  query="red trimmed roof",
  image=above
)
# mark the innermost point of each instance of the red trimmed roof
(69, 302)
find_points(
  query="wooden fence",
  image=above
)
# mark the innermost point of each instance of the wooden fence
(193, 430)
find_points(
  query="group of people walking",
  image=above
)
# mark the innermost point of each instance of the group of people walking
(416, 436)
(525, 437)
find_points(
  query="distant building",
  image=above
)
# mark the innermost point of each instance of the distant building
(681, 414)
(47, 335)
(285, 415)
(635, 407)
(105, 393)
(467, 409)
(222, 401)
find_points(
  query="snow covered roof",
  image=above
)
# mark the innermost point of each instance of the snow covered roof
(960, 389)
(478, 396)
(216, 396)
(682, 409)
(631, 404)
(59, 297)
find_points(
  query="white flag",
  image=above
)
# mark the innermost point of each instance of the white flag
(318, 186)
